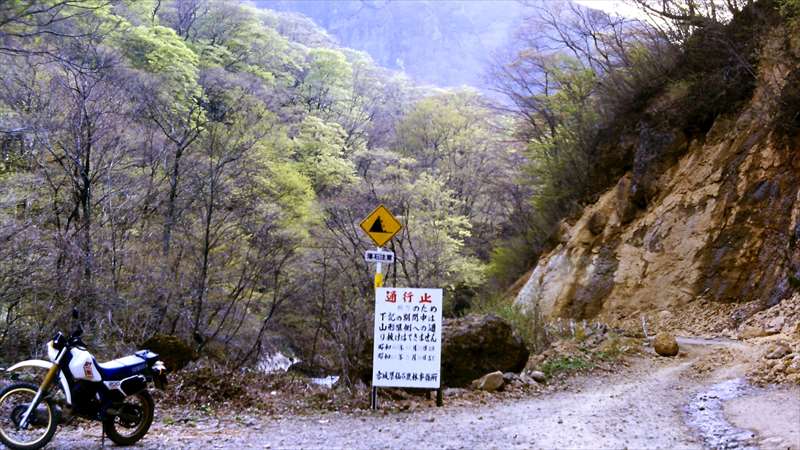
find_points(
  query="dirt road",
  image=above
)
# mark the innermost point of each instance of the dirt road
(658, 403)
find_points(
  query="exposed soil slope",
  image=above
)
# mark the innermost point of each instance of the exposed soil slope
(717, 221)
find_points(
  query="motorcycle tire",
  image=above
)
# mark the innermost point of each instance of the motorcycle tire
(43, 426)
(115, 425)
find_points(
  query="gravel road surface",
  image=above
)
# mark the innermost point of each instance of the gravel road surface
(645, 407)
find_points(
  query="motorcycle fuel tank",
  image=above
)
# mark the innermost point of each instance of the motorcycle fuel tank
(82, 366)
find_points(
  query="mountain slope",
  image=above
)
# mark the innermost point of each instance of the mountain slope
(447, 43)
(718, 221)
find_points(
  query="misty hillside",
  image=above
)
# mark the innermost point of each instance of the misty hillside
(447, 43)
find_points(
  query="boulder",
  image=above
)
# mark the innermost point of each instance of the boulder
(510, 377)
(665, 344)
(526, 380)
(489, 382)
(794, 365)
(175, 353)
(453, 392)
(537, 376)
(778, 351)
(475, 345)
(775, 325)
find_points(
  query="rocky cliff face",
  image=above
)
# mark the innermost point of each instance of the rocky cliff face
(704, 218)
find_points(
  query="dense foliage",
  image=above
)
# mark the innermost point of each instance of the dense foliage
(200, 169)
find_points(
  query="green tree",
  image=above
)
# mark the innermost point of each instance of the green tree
(319, 149)
(327, 80)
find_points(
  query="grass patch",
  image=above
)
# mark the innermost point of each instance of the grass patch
(565, 365)
(794, 282)
(526, 322)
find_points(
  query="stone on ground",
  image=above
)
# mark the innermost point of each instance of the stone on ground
(665, 344)
(510, 377)
(778, 351)
(751, 331)
(538, 376)
(489, 382)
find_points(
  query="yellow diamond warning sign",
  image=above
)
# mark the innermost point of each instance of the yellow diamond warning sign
(380, 225)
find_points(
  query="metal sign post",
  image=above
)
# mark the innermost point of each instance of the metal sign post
(381, 226)
(373, 402)
(377, 259)
(378, 272)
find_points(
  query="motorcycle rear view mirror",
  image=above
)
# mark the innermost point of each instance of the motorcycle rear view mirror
(79, 329)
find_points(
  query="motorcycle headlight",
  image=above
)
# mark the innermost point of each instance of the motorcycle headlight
(52, 353)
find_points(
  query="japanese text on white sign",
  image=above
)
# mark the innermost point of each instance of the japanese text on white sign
(408, 338)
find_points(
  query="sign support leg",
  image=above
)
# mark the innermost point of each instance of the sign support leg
(373, 402)
(439, 397)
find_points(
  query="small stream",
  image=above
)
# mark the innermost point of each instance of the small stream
(278, 362)
(705, 415)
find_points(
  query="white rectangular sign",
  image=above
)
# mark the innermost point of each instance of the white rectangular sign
(407, 338)
(379, 256)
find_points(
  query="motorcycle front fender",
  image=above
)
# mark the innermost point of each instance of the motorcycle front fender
(42, 364)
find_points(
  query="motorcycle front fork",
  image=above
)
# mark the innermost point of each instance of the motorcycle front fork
(48, 380)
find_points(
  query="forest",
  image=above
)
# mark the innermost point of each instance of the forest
(199, 168)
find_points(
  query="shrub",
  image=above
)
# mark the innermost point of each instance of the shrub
(565, 365)
(527, 322)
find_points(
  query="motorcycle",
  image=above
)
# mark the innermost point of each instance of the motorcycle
(114, 393)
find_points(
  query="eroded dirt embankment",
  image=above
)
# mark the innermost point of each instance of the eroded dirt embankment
(647, 406)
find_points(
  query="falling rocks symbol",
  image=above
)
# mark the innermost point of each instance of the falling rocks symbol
(377, 227)
(380, 225)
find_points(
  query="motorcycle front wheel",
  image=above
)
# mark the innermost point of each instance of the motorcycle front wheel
(129, 420)
(14, 401)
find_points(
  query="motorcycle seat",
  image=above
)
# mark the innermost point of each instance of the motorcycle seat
(121, 368)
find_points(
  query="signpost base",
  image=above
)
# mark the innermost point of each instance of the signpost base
(373, 399)
(439, 397)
